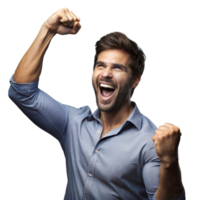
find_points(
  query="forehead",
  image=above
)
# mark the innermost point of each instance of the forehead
(114, 56)
(113, 53)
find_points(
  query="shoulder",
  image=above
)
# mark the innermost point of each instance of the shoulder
(146, 132)
(80, 112)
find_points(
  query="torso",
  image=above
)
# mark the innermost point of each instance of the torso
(104, 132)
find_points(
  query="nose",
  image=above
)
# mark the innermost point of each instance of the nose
(107, 73)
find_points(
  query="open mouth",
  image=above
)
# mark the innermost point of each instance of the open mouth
(106, 91)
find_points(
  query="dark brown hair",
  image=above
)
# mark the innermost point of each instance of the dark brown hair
(117, 40)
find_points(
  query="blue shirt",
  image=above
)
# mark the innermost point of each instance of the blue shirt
(121, 165)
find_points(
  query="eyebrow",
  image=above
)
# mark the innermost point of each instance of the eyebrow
(112, 64)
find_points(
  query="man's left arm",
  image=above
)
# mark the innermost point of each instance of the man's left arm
(170, 185)
(166, 141)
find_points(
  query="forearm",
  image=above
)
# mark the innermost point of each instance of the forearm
(170, 184)
(30, 66)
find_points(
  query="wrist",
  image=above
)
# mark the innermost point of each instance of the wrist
(46, 30)
(170, 163)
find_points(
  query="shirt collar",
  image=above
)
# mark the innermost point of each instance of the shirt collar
(135, 117)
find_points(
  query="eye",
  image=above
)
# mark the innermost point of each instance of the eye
(117, 67)
(100, 66)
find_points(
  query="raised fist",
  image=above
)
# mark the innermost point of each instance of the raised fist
(63, 22)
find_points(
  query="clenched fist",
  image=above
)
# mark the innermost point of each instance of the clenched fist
(63, 22)
(166, 141)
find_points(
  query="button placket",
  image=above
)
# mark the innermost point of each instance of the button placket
(90, 175)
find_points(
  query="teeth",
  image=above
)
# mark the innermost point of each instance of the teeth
(106, 86)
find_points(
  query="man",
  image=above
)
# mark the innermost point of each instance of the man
(116, 152)
(115, 110)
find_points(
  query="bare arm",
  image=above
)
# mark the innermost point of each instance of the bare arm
(30, 66)
(62, 22)
(170, 185)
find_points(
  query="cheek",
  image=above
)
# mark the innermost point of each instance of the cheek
(94, 78)
(93, 81)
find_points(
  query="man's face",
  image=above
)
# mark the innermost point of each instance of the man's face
(112, 80)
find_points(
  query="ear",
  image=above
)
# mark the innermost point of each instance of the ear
(136, 81)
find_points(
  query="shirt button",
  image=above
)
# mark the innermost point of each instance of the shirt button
(98, 132)
(96, 151)
(90, 175)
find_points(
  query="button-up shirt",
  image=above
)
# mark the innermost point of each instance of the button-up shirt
(123, 164)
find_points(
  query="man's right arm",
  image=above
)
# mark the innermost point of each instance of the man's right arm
(38, 106)
(62, 22)
(30, 66)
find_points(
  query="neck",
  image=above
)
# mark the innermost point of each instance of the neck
(117, 117)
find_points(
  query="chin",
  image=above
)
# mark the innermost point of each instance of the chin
(108, 107)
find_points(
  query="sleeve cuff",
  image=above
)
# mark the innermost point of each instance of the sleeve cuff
(181, 197)
(25, 88)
